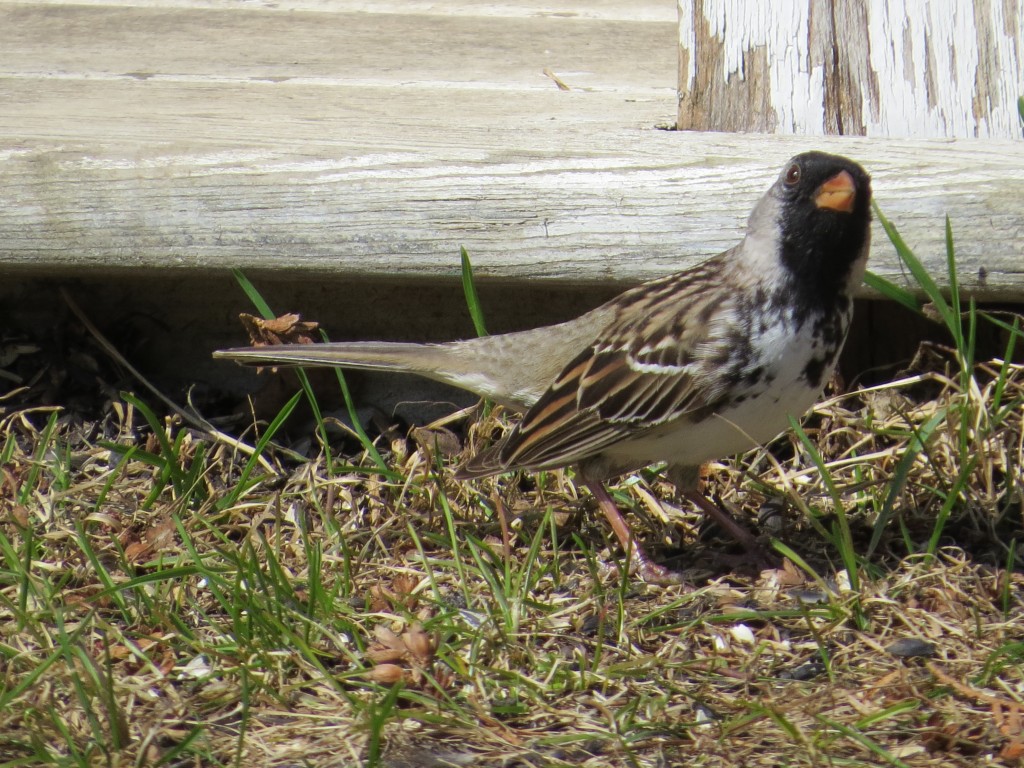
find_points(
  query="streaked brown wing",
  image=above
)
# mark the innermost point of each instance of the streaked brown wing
(639, 374)
(556, 432)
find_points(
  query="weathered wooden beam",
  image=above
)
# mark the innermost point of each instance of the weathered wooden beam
(184, 139)
(608, 206)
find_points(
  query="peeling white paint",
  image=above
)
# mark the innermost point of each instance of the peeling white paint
(924, 53)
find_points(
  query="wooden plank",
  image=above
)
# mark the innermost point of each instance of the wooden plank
(579, 205)
(234, 43)
(194, 139)
(914, 68)
(607, 10)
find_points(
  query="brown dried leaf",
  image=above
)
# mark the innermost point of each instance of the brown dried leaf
(386, 674)
(1008, 719)
(404, 584)
(158, 537)
(380, 598)
(380, 654)
(384, 598)
(137, 551)
(117, 652)
(20, 516)
(438, 439)
(399, 594)
(421, 645)
(1012, 751)
(286, 329)
(790, 575)
(387, 638)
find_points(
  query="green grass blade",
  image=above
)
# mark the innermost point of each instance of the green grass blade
(253, 295)
(865, 741)
(167, 450)
(357, 425)
(891, 291)
(844, 540)
(30, 679)
(962, 480)
(243, 484)
(1013, 329)
(918, 271)
(38, 460)
(953, 322)
(1004, 372)
(472, 299)
(170, 757)
(900, 476)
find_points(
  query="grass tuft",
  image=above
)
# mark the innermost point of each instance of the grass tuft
(170, 598)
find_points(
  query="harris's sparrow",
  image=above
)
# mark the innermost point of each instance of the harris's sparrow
(683, 369)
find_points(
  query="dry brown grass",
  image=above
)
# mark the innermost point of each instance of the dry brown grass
(156, 610)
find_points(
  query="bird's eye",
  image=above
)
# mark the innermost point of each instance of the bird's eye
(792, 175)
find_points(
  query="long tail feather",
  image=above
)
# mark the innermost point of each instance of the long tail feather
(447, 363)
(364, 355)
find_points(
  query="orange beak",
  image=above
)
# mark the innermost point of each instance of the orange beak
(838, 193)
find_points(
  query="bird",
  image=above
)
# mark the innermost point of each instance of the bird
(684, 369)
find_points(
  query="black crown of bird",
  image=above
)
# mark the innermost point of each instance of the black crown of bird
(684, 369)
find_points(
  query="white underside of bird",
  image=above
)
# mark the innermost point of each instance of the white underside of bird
(759, 418)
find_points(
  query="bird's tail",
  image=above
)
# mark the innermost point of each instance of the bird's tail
(513, 369)
(482, 374)
(422, 359)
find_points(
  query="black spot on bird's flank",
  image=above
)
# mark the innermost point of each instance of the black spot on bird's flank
(814, 371)
(831, 328)
(753, 376)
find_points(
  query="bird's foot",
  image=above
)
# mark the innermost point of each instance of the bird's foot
(652, 573)
(649, 572)
(639, 563)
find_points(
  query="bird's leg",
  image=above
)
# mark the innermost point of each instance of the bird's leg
(639, 562)
(727, 522)
(687, 482)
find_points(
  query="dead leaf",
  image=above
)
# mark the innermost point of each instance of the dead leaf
(386, 674)
(1012, 751)
(411, 654)
(380, 654)
(399, 594)
(158, 537)
(421, 645)
(20, 516)
(789, 575)
(286, 329)
(438, 439)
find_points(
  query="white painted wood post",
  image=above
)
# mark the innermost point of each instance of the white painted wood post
(921, 68)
